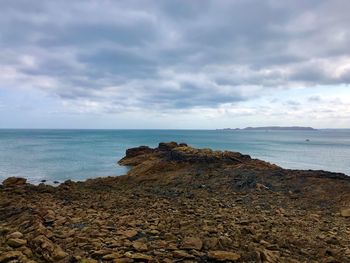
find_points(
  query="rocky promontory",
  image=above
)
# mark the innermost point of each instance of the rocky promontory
(180, 204)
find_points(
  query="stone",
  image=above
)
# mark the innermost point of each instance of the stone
(223, 255)
(169, 237)
(192, 243)
(345, 212)
(100, 253)
(49, 250)
(140, 246)
(112, 256)
(182, 254)
(58, 253)
(129, 233)
(26, 251)
(14, 181)
(15, 235)
(225, 241)
(123, 260)
(132, 152)
(87, 260)
(138, 256)
(9, 256)
(4, 231)
(211, 243)
(260, 187)
(269, 256)
(16, 242)
(166, 146)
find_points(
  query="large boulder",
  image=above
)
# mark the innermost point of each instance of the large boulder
(132, 152)
(135, 156)
(167, 146)
(14, 181)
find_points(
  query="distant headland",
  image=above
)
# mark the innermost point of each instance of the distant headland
(272, 128)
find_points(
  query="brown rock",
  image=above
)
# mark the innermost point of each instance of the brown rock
(13, 181)
(11, 255)
(88, 260)
(58, 253)
(169, 237)
(225, 241)
(192, 243)
(166, 146)
(100, 253)
(138, 256)
(26, 251)
(211, 243)
(182, 254)
(269, 256)
(15, 235)
(123, 260)
(139, 246)
(112, 256)
(128, 233)
(345, 212)
(49, 250)
(132, 152)
(223, 255)
(16, 242)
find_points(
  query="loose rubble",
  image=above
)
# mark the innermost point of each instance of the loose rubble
(180, 204)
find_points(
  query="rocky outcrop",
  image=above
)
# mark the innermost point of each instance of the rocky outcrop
(181, 152)
(181, 204)
(14, 181)
(142, 150)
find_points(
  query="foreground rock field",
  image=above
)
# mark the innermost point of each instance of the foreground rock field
(180, 204)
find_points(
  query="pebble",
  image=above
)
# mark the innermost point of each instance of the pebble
(15, 235)
(11, 255)
(223, 255)
(192, 243)
(16, 242)
(345, 212)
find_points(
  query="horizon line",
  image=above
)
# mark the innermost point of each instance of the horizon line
(183, 129)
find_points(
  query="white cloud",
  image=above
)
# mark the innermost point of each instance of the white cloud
(217, 58)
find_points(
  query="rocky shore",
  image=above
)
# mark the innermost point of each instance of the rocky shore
(180, 204)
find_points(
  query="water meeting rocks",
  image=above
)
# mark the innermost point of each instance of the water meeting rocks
(180, 204)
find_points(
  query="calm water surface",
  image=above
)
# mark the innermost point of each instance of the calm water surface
(81, 154)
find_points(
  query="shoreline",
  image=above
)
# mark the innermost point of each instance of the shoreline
(58, 183)
(178, 203)
(63, 155)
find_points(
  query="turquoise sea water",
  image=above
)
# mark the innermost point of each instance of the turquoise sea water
(81, 154)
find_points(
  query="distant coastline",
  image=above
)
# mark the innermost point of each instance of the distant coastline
(272, 128)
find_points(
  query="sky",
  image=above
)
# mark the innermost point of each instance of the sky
(168, 64)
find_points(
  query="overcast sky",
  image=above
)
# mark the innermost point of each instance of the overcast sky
(174, 64)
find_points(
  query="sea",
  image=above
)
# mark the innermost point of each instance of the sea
(59, 155)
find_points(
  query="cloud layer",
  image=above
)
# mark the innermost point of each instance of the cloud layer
(125, 56)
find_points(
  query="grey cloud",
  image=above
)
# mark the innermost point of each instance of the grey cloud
(314, 99)
(217, 51)
(292, 103)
